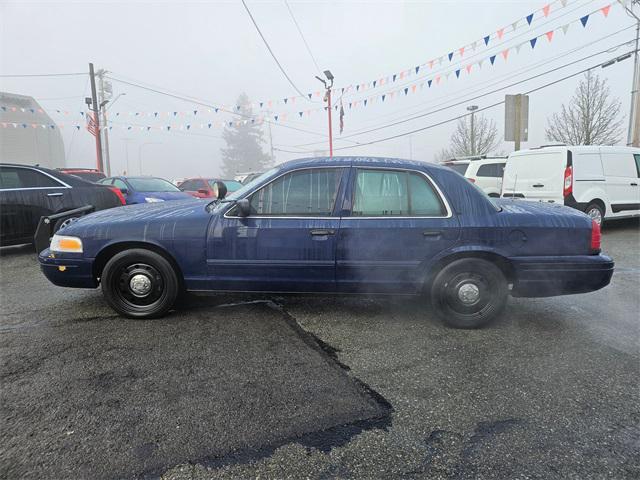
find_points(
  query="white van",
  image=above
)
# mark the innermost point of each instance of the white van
(485, 172)
(598, 180)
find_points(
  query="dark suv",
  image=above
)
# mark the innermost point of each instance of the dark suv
(28, 193)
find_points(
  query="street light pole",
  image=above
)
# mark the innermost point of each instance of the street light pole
(96, 118)
(327, 98)
(472, 109)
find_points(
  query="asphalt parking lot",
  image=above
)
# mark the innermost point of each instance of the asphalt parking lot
(240, 386)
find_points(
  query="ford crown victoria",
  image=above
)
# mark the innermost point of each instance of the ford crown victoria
(336, 225)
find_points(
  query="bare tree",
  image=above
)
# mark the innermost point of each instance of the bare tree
(592, 117)
(477, 139)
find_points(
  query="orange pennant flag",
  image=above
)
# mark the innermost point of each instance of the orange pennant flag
(505, 53)
(468, 67)
(500, 33)
(605, 10)
(430, 63)
(401, 75)
(549, 35)
(437, 78)
(461, 50)
(413, 88)
(545, 10)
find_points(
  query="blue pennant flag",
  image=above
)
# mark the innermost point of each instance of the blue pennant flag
(129, 127)
(168, 127)
(349, 105)
(195, 112)
(357, 87)
(155, 114)
(450, 56)
(253, 120)
(208, 125)
(429, 83)
(285, 101)
(4, 109)
(309, 95)
(261, 103)
(417, 69)
(342, 89)
(175, 113)
(216, 109)
(238, 107)
(486, 39)
(77, 126)
(406, 90)
(24, 125)
(148, 128)
(300, 113)
(275, 117)
(137, 114)
(365, 103)
(32, 110)
(230, 124)
(492, 58)
(584, 20)
(374, 83)
(188, 127)
(394, 79)
(458, 73)
(530, 18)
(533, 42)
(383, 97)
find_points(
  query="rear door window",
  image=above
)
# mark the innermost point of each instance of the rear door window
(391, 193)
(14, 177)
(637, 159)
(490, 170)
(619, 165)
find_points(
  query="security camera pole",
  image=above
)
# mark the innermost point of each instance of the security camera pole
(327, 98)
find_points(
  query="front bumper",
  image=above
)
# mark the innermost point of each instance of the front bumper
(551, 276)
(67, 271)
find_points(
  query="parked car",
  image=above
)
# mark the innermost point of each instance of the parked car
(485, 172)
(599, 180)
(145, 189)
(92, 175)
(339, 225)
(29, 193)
(207, 187)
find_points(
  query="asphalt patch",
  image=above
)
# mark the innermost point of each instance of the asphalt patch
(112, 398)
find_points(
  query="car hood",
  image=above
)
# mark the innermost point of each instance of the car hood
(164, 195)
(142, 212)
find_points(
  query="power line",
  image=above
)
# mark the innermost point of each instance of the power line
(433, 125)
(16, 75)
(431, 112)
(302, 36)
(272, 54)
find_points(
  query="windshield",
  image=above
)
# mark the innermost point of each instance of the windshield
(461, 168)
(152, 185)
(232, 185)
(242, 191)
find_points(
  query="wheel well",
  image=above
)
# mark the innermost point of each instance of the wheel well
(598, 202)
(501, 262)
(106, 254)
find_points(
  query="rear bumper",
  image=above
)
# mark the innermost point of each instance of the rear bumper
(551, 276)
(75, 272)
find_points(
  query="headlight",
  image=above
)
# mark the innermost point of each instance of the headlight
(61, 243)
(153, 199)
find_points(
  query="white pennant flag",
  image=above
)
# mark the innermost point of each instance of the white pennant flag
(474, 45)
(565, 28)
(518, 47)
(480, 63)
(514, 25)
(440, 61)
(564, 3)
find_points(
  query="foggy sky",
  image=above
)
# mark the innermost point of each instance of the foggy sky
(211, 51)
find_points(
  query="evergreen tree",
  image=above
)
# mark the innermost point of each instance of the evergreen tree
(244, 139)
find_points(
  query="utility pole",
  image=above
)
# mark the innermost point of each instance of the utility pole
(327, 98)
(104, 97)
(472, 109)
(96, 118)
(633, 132)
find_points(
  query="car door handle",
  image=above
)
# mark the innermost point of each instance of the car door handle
(322, 232)
(57, 194)
(538, 185)
(432, 233)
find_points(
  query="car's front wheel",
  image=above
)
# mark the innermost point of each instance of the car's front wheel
(469, 293)
(139, 283)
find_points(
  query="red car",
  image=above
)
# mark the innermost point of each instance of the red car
(204, 187)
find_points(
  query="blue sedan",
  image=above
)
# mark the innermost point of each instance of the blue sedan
(336, 225)
(145, 189)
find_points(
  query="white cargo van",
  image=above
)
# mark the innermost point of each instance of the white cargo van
(485, 172)
(598, 180)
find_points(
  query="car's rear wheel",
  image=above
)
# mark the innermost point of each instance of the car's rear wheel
(469, 293)
(596, 212)
(139, 283)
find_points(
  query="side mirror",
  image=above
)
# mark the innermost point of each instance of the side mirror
(219, 190)
(124, 191)
(244, 207)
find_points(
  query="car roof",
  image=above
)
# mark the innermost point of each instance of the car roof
(347, 161)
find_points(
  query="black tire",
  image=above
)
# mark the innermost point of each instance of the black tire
(125, 288)
(479, 281)
(596, 212)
